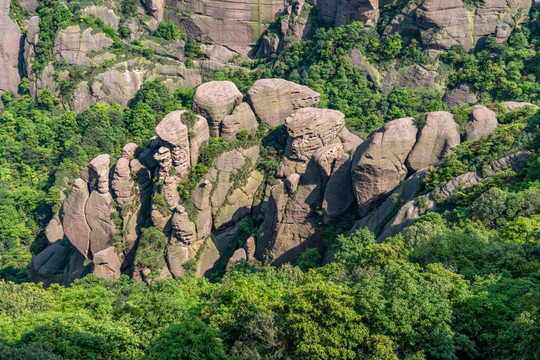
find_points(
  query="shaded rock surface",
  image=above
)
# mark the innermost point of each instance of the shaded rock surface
(378, 165)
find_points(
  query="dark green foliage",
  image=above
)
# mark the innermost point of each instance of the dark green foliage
(168, 31)
(151, 250)
(25, 352)
(53, 16)
(190, 340)
(309, 259)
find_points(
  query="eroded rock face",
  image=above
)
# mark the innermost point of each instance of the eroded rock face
(309, 129)
(274, 100)
(437, 137)
(242, 118)
(72, 45)
(74, 217)
(215, 100)
(117, 85)
(460, 95)
(444, 24)
(235, 25)
(155, 8)
(514, 105)
(173, 132)
(104, 13)
(106, 264)
(55, 265)
(198, 134)
(483, 121)
(54, 230)
(379, 162)
(343, 12)
(9, 50)
(183, 228)
(338, 194)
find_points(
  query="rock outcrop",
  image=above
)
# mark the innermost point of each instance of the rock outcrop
(460, 95)
(235, 25)
(309, 129)
(325, 177)
(9, 50)
(378, 165)
(437, 137)
(104, 13)
(72, 45)
(483, 121)
(344, 12)
(290, 214)
(215, 100)
(274, 100)
(242, 118)
(74, 217)
(156, 8)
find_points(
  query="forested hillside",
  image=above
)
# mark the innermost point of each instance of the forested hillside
(269, 180)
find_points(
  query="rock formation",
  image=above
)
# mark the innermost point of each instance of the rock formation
(483, 121)
(215, 100)
(242, 118)
(437, 137)
(9, 50)
(72, 45)
(274, 100)
(326, 177)
(344, 12)
(378, 165)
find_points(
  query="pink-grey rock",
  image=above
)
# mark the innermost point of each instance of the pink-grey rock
(460, 95)
(273, 100)
(239, 254)
(437, 137)
(344, 12)
(99, 167)
(54, 230)
(174, 132)
(242, 118)
(9, 50)
(215, 100)
(155, 8)
(107, 264)
(104, 13)
(250, 247)
(128, 151)
(378, 165)
(338, 193)
(444, 24)
(313, 128)
(98, 210)
(513, 105)
(122, 184)
(326, 158)
(72, 45)
(350, 141)
(119, 84)
(234, 25)
(198, 134)
(483, 121)
(183, 228)
(74, 218)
